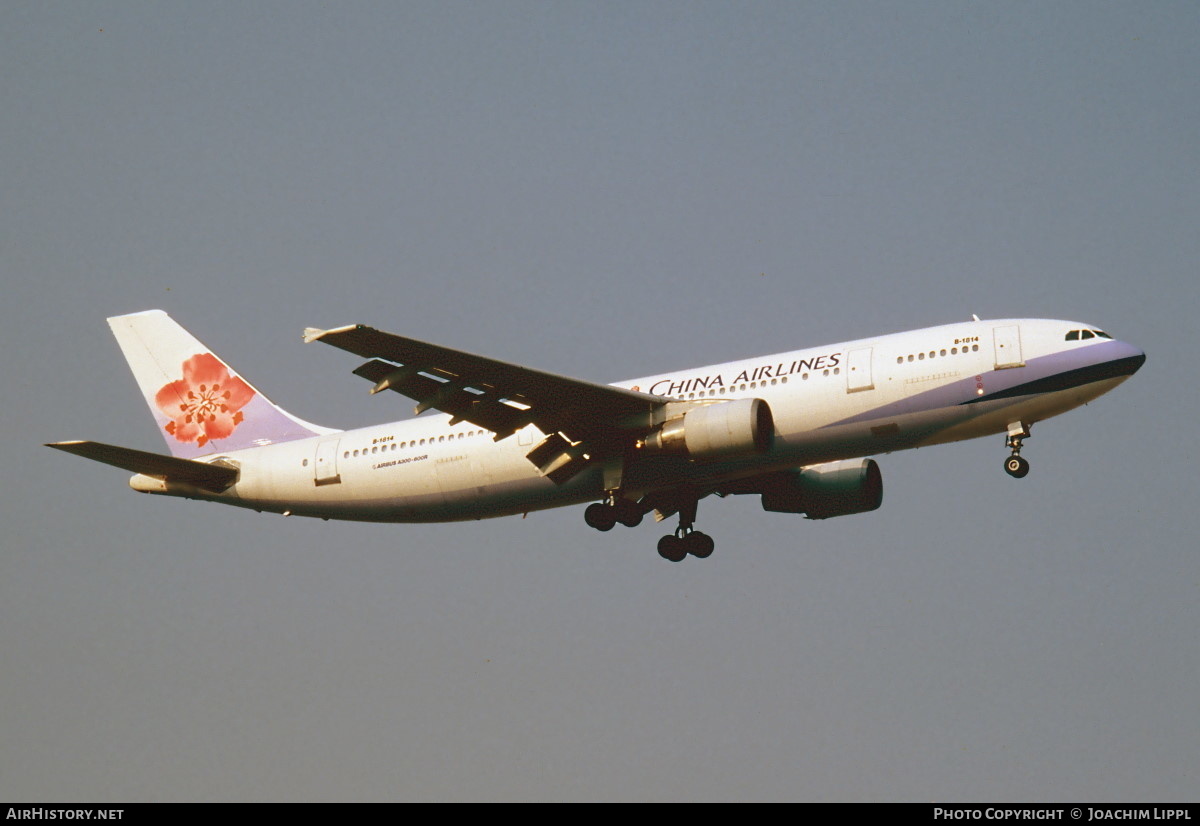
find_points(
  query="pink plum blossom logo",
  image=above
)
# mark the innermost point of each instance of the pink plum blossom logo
(206, 403)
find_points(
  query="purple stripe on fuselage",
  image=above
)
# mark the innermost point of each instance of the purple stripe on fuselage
(1000, 382)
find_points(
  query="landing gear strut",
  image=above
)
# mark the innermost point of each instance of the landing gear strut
(1014, 465)
(674, 547)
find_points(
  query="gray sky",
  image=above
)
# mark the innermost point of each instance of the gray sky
(605, 190)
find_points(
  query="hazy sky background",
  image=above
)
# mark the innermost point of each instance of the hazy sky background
(605, 190)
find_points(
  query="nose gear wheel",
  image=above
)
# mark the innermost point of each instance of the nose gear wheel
(1014, 465)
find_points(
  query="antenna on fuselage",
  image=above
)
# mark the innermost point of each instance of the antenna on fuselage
(975, 317)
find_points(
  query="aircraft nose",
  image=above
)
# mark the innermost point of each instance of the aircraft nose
(1136, 358)
(1129, 358)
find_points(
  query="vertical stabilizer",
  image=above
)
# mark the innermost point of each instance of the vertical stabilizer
(201, 404)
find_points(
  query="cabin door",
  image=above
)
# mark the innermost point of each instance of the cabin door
(858, 371)
(325, 470)
(1008, 347)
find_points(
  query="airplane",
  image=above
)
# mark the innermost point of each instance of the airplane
(796, 429)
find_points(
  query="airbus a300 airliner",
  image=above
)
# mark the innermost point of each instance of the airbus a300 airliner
(793, 428)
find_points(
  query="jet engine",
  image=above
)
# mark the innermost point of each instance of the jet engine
(722, 430)
(824, 491)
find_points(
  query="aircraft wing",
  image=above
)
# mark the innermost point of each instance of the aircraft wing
(496, 395)
(169, 468)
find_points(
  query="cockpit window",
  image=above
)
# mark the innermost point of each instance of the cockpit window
(1079, 335)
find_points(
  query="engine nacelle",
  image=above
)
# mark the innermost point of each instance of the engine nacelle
(824, 491)
(723, 430)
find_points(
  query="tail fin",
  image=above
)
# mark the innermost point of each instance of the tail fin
(202, 405)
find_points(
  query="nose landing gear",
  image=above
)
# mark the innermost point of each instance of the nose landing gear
(1014, 465)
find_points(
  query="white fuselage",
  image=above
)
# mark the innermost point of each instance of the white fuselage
(840, 401)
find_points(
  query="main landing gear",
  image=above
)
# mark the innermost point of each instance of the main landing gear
(675, 546)
(603, 516)
(1014, 465)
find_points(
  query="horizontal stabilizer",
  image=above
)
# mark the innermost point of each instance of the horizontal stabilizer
(168, 468)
